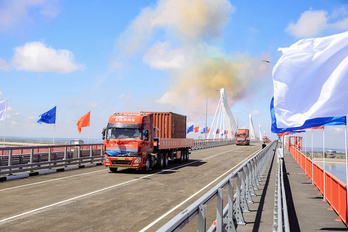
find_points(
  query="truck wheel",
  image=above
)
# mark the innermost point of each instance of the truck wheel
(182, 157)
(147, 165)
(165, 163)
(113, 170)
(187, 155)
(160, 161)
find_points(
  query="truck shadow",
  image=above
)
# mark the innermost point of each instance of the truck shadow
(172, 167)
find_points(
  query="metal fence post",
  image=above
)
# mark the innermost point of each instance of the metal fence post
(202, 218)
(10, 160)
(219, 211)
(239, 214)
(230, 223)
(243, 202)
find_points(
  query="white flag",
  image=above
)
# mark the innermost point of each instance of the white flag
(311, 80)
(3, 110)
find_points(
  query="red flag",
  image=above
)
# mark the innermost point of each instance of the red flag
(196, 129)
(318, 127)
(83, 121)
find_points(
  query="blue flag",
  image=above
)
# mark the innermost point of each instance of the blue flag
(190, 129)
(48, 117)
(327, 121)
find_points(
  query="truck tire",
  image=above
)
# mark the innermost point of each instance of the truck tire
(182, 157)
(146, 168)
(187, 155)
(184, 152)
(166, 162)
(113, 170)
(160, 161)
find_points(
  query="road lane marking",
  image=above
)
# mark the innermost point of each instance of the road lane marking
(164, 215)
(107, 188)
(61, 178)
(45, 181)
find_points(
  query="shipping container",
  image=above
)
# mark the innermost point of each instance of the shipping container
(170, 125)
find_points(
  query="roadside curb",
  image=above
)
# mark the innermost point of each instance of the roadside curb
(13, 177)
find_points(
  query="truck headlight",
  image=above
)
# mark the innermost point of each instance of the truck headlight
(106, 158)
(138, 160)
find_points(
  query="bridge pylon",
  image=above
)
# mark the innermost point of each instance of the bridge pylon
(225, 126)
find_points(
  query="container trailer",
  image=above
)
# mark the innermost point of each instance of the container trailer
(145, 140)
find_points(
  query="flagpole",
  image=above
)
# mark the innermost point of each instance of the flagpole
(324, 162)
(305, 143)
(5, 122)
(312, 158)
(345, 146)
(54, 133)
(88, 133)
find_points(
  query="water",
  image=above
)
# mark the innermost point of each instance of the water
(336, 169)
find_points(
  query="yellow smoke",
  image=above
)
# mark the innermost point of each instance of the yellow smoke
(196, 67)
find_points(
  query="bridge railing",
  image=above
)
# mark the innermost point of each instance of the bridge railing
(247, 177)
(31, 158)
(208, 143)
(335, 190)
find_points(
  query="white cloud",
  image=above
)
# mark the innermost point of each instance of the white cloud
(14, 123)
(255, 112)
(116, 65)
(9, 109)
(4, 65)
(92, 104)
(15, 11)
(312, 22)
(36, 57)
(168, 98)
(334, 130)
(33, 117)
(309, 24)
(161, 56)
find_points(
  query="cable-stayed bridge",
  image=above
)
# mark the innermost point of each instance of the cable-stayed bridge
(219, 187)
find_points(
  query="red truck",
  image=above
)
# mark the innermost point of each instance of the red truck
(144, 140)
(242, 137)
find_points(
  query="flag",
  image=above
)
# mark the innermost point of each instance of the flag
(48, 117)
(196, 129)
(217, 131)
(3, 110)
(315, 122)
(190, 129)
(201, 130)
(208, 130)
(84, 121)
(310, 81)
(315, 128)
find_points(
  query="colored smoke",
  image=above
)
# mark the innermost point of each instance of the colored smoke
(190, 32)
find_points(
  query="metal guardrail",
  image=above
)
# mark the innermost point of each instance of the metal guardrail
(31, 158)
(208, 143)
(247, 176)
(280, 213)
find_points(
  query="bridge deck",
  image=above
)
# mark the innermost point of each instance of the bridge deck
(307, 210)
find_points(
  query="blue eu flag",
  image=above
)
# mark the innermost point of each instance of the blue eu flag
(48, 117)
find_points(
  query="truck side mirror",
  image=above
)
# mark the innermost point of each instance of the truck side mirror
(103, 133)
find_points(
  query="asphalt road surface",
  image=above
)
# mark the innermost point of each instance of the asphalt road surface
(94, 199)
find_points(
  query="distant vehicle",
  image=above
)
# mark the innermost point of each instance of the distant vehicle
(265, 139)
(76, 141)
(144, 140)
(331, 153)
(242, 137)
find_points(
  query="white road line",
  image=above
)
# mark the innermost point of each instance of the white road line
(107, 188)
(164, 215)
(42, 182)
(45, 181)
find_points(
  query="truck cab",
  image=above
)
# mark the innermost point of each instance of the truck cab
(242, 137)
(128, 139)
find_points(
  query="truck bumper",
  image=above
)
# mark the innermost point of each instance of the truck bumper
(122, 162)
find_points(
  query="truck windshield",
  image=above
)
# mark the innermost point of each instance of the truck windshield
(241, 135)
(124, 133)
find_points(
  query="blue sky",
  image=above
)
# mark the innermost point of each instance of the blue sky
(165, 55)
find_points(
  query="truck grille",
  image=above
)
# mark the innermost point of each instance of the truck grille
(121, 162)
